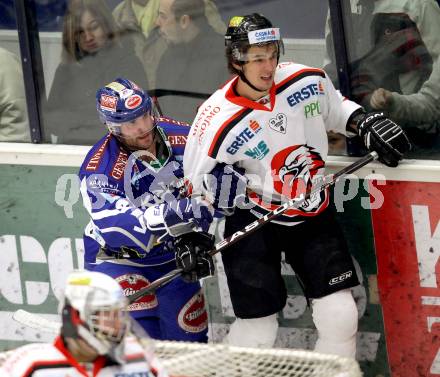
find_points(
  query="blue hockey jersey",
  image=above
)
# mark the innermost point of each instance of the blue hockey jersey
(117, 187)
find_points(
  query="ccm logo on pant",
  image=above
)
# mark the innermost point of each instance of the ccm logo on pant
(340, 278)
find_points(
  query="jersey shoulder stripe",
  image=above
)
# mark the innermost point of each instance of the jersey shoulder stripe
(166, 122)
(48, 364)
(299, 75)
(224, 129)
(95, 156)
(176, 134)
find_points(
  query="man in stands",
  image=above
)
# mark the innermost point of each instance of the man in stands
(193, 61)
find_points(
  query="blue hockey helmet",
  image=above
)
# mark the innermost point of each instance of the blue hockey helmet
(121, 101)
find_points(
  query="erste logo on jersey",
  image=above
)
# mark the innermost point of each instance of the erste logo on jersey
(305, 93)
(243, 137)
(132, 283)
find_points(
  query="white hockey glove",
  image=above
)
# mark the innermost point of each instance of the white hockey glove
(382, 135)
(179, 216)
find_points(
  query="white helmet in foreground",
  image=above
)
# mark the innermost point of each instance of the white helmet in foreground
(94, 309)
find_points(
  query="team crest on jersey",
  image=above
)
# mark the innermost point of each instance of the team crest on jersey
(294, 171)
(193, 317)
(294, 168)
(131, 283)
(279, 123)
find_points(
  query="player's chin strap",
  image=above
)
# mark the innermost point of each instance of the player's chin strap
(328, 181)
(245, 80)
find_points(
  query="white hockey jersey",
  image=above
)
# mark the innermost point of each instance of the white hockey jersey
(280, 140)
(54, 360)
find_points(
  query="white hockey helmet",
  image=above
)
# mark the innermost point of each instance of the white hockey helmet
(94, 309)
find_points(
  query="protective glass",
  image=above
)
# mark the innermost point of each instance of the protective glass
(240, 55)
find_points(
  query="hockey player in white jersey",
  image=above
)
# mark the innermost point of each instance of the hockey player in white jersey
(94, 339)
(269, 124)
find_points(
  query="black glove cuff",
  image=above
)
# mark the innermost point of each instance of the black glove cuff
(353, 121)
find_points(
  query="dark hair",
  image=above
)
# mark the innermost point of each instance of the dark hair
(230, 59)
(72, 22)
(244, 48)
(195, 9)
(236, 37)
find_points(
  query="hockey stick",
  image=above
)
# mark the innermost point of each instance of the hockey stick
(35, 321)
(328, 181)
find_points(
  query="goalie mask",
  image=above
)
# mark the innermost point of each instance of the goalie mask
(94, 309)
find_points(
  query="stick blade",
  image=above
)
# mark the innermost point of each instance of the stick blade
(35, 321)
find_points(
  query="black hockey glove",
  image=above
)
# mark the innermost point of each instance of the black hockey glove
(192, 255)
(382, 135)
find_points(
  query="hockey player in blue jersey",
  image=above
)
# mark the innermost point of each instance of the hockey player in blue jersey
(131, 181)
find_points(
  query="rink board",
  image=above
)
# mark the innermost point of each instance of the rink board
(396, 246)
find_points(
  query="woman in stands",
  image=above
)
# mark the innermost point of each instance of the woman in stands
(94, 53)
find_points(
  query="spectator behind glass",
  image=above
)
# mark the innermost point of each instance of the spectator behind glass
(194, 60)
(14, 124)
(139, 18)
(93, 54)
(394, 53)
